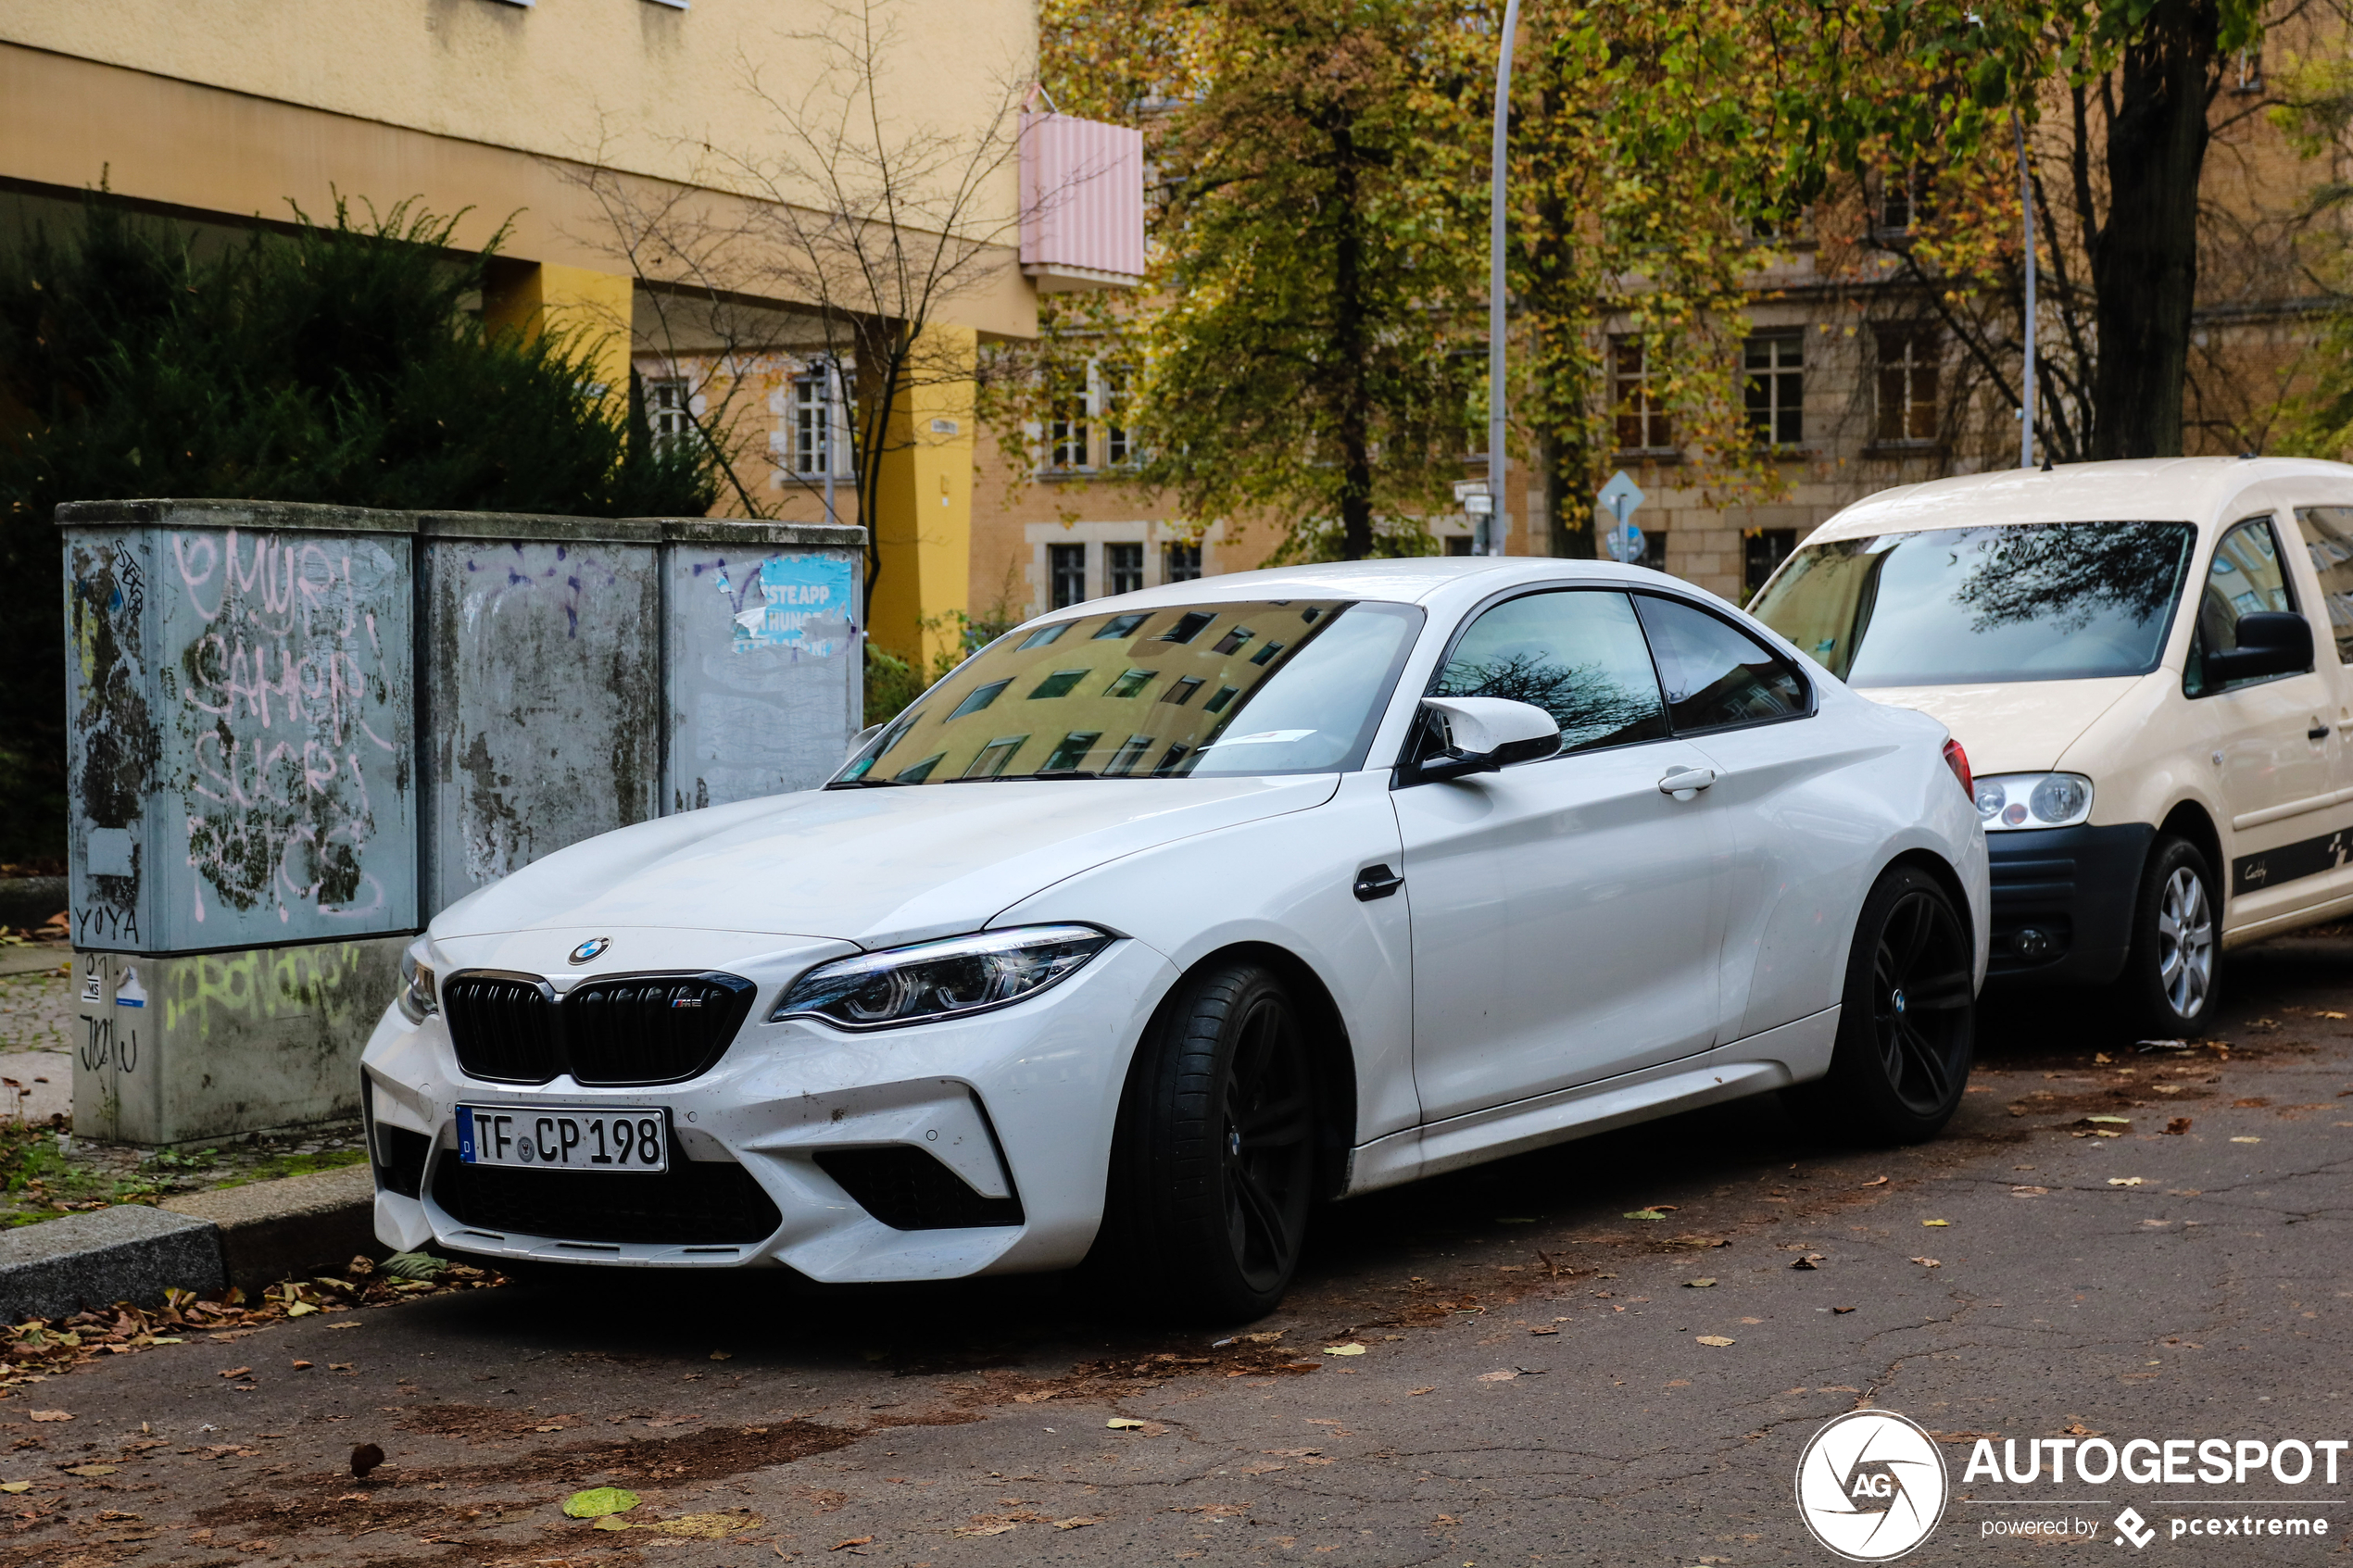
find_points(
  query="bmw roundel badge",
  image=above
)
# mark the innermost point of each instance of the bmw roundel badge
(592, 949)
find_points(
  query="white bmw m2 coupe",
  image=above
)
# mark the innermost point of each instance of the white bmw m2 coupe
(1166, 917)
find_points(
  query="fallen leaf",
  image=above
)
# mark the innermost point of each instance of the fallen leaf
(1291, 1453)
(2030, 1192)
(1643, 1214)
(2179, 1125)
(1715, 1340)
(238, 1371)
(723, 1355)
(705, 1527)
(2124, 1181)
(1699, 1284)
(2246, 1140)
(1432, 1388)
(2102, 1057)
(1928, 1262)
(299, 1310)
(1810, 1260)
(1123, 1423)
(303, 1366)
(1934, 1224)
(1841, 1312)
(1504, 1376)
(90, 1470)
(557, 1426)
(1876, 1182)
(967, 1530)
(1081, 1522)
(869, 1540)
(53, 1415)
(1343, 1350)
(2105, 1121)
(595, 1502)
(1547, 1329)
(12, 1487)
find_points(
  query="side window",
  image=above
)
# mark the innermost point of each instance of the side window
(1715, 675)
(2328, 538)
(1578, 654)
(2247, 576)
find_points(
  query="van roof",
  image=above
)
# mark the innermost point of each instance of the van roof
(2136, 490)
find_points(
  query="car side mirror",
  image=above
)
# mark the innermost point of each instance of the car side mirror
(1484, 734)
(858, 741)
(2272, 642)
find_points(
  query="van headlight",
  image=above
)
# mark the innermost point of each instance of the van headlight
(2011, 801)
(933, 980)
(419, 1000)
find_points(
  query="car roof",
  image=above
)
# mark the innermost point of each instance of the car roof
(2136, 490)
(1403, 580)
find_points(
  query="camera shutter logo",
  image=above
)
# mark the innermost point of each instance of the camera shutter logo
(1871, 1486)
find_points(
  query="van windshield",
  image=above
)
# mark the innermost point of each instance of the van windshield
(1267, 686)
(1950, 607)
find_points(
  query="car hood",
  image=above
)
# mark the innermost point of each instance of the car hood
(877, 867)
(2015, 727)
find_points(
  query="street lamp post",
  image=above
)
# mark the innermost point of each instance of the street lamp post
(1499, 521)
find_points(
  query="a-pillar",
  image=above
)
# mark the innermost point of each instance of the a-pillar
(589, 307)
(924, 512)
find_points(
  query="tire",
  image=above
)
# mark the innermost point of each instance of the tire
(2173, 978)
(1213, 1165)
(1907, 1021)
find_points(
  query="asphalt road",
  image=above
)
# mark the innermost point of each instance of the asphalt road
(1535, 1383)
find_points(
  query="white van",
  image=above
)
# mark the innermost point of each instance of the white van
(2150, 665)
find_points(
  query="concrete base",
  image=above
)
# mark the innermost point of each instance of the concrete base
(57, 1268)
(179, 1050)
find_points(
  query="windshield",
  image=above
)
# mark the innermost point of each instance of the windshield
(1951, 606)
(1272, 686)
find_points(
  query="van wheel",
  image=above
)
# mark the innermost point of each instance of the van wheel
(1907, 1020)
(1214, 1162)
(2173, 975)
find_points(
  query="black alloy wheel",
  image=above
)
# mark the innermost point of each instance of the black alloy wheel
(1214, 1162)
(1907, 1023)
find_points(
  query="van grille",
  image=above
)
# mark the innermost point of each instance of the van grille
(614, 1032)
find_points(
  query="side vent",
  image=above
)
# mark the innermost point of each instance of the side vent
(908, 1190)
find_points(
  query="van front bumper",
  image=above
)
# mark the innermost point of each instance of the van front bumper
(2063, 901)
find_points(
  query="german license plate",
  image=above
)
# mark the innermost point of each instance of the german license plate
(565, 1137)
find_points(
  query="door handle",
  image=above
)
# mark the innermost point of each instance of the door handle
(2318, 732)
(1376, 881)
(1684, 783)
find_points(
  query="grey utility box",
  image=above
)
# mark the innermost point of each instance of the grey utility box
(239, 690)
(765, 672)
(540, 689)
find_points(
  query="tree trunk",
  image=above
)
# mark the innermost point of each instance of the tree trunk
(1568, 499)
(1350, 347)
(2144, 260)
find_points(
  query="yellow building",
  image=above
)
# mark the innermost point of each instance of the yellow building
(651, 164)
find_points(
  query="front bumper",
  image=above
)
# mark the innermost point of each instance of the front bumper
(2063, 901)
(979, 1146)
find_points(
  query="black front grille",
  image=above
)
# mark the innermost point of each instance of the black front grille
(651, 1030)
(908, 1190)
(695, 1204)
(620, 1030)
(504, 1026)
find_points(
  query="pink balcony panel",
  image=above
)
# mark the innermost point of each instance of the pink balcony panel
(1082, 204)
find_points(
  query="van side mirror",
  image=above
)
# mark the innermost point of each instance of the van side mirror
(2272, 642)
(1484, 734)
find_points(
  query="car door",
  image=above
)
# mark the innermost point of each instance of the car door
(1795, 849)
(2328, 544)
(1565, 913)
(2271, 740)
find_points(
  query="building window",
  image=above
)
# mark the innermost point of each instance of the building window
(1131, 751)
(1180, 563)
(1458, 544)
(1765, 548)
(1655, 550)
(1901, 200)
(1068, 436)
(668, 414)
(2248, 75)
(811, 424)
(1907, 369)
(1123, 564)
(995, 758)
(1111, 406)
(1066, 568)
(1641, 421)
(1182, 691)
(1776, 389)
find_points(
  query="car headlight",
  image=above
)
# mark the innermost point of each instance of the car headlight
(419, 1000)
(933, 980)
(2007, 801)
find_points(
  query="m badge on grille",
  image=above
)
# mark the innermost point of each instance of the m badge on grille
(592, 949)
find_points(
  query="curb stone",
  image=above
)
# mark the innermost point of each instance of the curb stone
(250, 1237)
